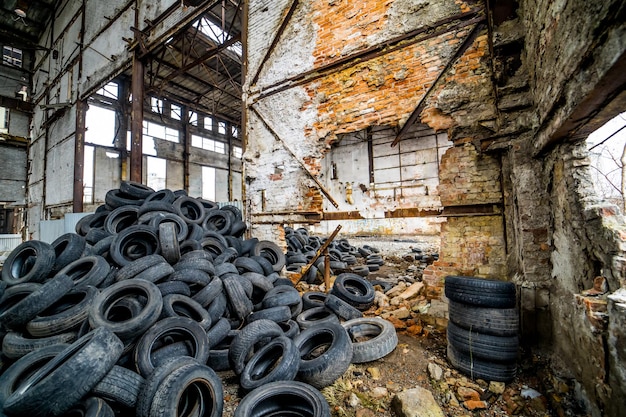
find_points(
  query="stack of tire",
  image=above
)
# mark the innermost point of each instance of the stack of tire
(483, 327)
(135, 313)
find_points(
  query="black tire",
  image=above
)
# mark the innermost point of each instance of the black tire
(90, 407)
(493, 321)
(482, 346)
(120, 386)
(133, 243)
(174, 287)
(67, 248)
(135, 189)
(225, 268)
(193, 387)
(237, 298)
(151, 385)
(209, 292)
(380, 335)
(325, 354)
(189, 209)
(95, 220)
(203, 264)
(284, 295)
(312, 299)
(477, 368)
(355, 290)
(170, 329)
(277, 314)
(165, 196)
(181, 228)
(276, 361)
(156, 273)
(267, 266)
(34, 303)
(169, 242)
(191, 276)
(480, 292)
(361, 270)
(218, 332)
(68, 377)
(290, 328)
(248, 265)
(218, 221)
(178, 305)
(217, 307)
(130, 270)
(283, 398)
(373, 267)
(342, 309)
(64, 315)
(121, 218)
(30, 261)
(272, 252)
(89, 270)
(316, 316)
(25, 367)
(228, 256)
(127, 328)
(246, 342)
(16, 293)
(15, 345)
(115, 198)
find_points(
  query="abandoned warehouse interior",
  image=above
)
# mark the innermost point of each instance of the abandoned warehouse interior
(466, 120)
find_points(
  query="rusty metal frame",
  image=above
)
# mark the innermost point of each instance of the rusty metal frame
(437, 28)
(469, 39)
(304, 168)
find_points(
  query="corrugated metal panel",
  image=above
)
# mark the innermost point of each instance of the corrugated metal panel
(49, 230)
(9, 242)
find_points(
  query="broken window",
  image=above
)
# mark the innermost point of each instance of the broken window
(208, 183)
(175, 112)
(221, 128)
(193, 118)
(237, 152)
(12, 56)
(208, 123)
(156, 105)
(607, 153)
(88, 174)
(110, 90)
(156, 172)
(100, 123)
(208, 144)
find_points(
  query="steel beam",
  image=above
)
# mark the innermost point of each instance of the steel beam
(79, 156)
(469, 39)
(136, 119)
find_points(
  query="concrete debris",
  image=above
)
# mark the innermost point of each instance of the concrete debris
(435, 371)
(416, 402)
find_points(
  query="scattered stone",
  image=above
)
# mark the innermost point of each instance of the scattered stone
(415, 329)
(435, 371)
(530, 393)
(380, 392)
(381, 300)
(454, 402)
(396, 301)
(353, 400)
(397, 323)
(397, 290)
(374, 373)
(475, 405)
(496, 387)
(467, 394)
(421, 307)
(416, 402)
(401, 313)
(365, 412)
(412, 291)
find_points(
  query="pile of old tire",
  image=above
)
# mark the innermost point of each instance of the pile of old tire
(483, 327)
(156, 292)
(344, 257)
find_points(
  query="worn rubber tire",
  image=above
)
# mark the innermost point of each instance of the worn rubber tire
(276, 361)
(135, 189)
(354, 289)
(67, 248)
(132, 327)
(136, 267)
(272, 252)
(478, 345)
(16, 345)
(237, 298)
(17, 268)
(63, 381)
(283, 398)
(178, 328)
(34, 303)
(277, 314)
(316, 316)
(325, 354)
(195, 386)
(174, 287)
(382, 338)
(120, 386)
(246, 342)
(168, 240)
(493, 321)
(124, 246)
(88, 270)
(178, 305)
(477, 368)
(480, 292)
(341, 308)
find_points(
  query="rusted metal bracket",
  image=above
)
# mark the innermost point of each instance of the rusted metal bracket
(278, 138)
(420, 107)
(281, 29)
(322, 250)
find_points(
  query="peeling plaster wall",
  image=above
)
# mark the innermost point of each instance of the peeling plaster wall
(292, 126)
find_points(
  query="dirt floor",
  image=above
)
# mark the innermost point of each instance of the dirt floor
(368, 389)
